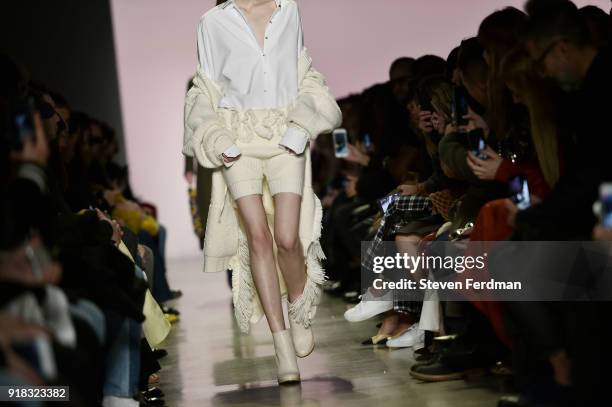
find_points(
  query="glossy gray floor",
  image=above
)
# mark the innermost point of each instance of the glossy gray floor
(211, 363)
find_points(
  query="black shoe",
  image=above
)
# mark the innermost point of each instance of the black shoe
(160, 353)
(174, 294)
(441, 372)
(170, 310)
(425, 356)
(152, 402)
(352, 297)
(144, 401)
(376, 340)
(153, 392)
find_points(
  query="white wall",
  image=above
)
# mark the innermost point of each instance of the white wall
(353, 42)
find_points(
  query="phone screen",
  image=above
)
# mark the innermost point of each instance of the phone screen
(477, 143)
(23, 123)
(605, 197)
(386, 201)
(340, 142)
(519, 191)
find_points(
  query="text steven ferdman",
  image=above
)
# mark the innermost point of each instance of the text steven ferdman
(426, 284)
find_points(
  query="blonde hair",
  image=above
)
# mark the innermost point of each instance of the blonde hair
(517, 71)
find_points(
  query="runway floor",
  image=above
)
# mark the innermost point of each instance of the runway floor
(210, 363)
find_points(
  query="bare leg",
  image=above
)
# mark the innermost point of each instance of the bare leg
(290, 252)
(263, 267)
(389, 323)
(409, 244)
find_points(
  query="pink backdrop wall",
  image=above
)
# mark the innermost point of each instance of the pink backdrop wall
(353, 42)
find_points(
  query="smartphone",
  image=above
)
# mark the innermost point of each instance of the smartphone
(367, 142)
(519, 192)
(340, 143)
(387, 200)
(23, 123)
(459, 106)
(476, 143)
(605, 197)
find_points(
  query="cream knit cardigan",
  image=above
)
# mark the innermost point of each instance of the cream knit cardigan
(208, 132)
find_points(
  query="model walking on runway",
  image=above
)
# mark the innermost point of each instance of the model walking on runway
(255, 104)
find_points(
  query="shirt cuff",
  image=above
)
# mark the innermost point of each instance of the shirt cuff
(295, 139)
(231, 152)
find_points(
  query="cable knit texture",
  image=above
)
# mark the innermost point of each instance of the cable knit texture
(208, 132)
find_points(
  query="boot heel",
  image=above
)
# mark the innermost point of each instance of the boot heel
(286, 362)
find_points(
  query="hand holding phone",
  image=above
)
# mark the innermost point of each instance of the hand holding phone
(477, 143)
(28, 140)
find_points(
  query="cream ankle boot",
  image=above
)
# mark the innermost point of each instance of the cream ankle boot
(286, 361)
(303, 338)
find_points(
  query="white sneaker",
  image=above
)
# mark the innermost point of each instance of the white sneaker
(369, 306)
(413, 337)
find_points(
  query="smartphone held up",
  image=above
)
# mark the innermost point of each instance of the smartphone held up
(340, 143)
(519, 192)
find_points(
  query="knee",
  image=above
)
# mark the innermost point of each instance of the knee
(286, 243)
(399, 238)
(260, 240)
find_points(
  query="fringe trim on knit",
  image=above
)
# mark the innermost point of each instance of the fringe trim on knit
(243, 288)
(303, 309)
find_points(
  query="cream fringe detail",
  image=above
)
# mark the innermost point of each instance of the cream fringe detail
(303, 309)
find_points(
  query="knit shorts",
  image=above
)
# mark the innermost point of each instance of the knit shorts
(264, 160)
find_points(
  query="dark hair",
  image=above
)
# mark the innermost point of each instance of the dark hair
(78, 121)
(451, 63)
(404, 64)
(599, 24)
(499, 33)
(470, 61)
(429, 65)
(58, 99)
(556, 18)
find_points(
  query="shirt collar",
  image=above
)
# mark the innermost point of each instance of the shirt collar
(279, 3)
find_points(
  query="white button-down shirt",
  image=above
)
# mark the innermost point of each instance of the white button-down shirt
(253, 77)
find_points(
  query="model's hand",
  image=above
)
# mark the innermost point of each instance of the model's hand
(230, 159)
(189, 177)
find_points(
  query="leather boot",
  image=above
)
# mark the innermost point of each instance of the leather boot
(286, 361)
(303, 338)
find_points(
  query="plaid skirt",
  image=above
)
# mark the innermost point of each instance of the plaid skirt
(404, 210)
